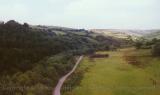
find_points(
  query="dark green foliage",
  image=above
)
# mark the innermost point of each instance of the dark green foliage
(153, 44)
(40, 79)
(156, 49)
(37, 58)
(24, 46)
(107, 43)
(146, 44)
(138, 44)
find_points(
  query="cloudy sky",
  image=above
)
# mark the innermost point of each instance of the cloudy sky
(124, 14)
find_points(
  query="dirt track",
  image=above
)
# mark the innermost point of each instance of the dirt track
(57, 89)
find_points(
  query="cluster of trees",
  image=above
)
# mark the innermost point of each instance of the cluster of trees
(39, 80)
(32, 60)
(156, 49)
(153, 44)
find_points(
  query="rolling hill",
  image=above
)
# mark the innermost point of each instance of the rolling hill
(37, 56)
(153, 35)
(124, 34)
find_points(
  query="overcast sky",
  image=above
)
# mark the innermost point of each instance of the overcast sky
(121, 14)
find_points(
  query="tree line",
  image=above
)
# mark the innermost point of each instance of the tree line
(153, 44)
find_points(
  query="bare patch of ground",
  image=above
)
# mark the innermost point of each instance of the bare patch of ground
(131, 59)
(99, 56)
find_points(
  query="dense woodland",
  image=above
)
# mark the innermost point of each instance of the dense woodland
(32, 60)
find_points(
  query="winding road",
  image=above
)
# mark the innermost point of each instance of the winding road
(57, 89)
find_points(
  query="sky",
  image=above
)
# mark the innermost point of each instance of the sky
(90, 14)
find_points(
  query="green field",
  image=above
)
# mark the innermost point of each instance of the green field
(117, 76)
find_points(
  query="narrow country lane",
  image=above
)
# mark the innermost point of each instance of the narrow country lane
(57, 89)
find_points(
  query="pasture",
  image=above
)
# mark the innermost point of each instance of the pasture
(116, 75)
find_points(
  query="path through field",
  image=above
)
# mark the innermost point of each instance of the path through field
(115, 76)
(61, 80)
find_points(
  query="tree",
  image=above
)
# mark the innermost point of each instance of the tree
(138, 45)
(26, 25)
(156, 49)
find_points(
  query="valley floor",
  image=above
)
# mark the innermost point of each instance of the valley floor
(124, 72)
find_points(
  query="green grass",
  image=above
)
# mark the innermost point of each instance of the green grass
(59, 32)
(114, 76)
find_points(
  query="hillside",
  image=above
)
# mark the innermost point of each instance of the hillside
(58, 29)
(37, 56)
(152, 35)
(124, 34)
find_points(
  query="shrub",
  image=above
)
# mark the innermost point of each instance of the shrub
(156, 49)
(138, 45)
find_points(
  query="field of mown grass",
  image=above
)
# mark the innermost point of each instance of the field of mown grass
(116, 75)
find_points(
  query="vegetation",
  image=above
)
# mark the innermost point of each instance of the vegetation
(138, 44)
(116, 75)
(153, 44)
(33, 59)
(156, 49)
(152, 35)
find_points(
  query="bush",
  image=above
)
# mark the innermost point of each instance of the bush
(138, 45)
(156, 49)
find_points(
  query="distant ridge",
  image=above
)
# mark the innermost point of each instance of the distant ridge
(135, 32)
(153, 35)
(124, 33)
(56, 28)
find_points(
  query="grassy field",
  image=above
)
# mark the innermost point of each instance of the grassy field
(117, 75)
